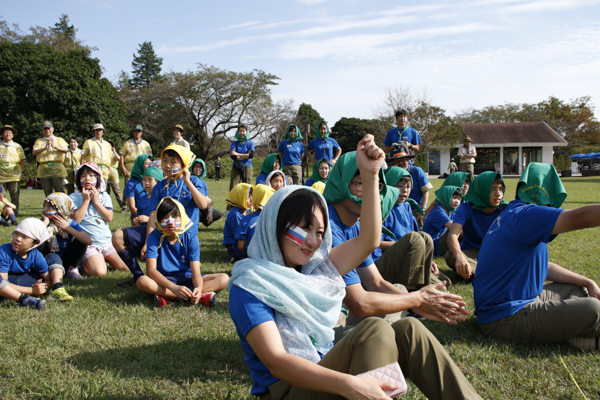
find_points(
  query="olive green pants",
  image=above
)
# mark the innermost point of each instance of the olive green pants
(293, 174)
(237, 176)
(49, 184)
(470, 254)
(375, 343)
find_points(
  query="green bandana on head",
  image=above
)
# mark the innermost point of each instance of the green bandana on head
(541, 185)
(444, 195)
(479, 192)
(267, 165)
(138, 167)
(237, 134)
(289, 138)
(315, 175)
(202, 164)
(457, 179)
(318, 133)
(393, 175)
(155, 173)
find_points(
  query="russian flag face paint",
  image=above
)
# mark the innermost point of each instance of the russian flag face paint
(49, 213)
(171, 221)
(295, 234)
(175, 171)
(83, 182)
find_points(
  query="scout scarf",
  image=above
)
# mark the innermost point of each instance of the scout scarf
(261, 195)
(393, 175)
(238, 195)
(444, 195)
(479, 192)
(203, 166)
(187, 157)
(186, 222)
(318, 133)
(541, 185)
(237, 134)
(35, 229)
(138, 167)
(289, 138)
(267, 165)
(316, 177)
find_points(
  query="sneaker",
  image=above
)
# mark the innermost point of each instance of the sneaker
(34, 302)
(585, 343)
(74, 274)
(60, 294)
(208, 299)
(4, 223)
(127, 283)
(15, 222)
(160, 301)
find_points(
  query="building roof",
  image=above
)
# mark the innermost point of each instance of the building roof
(514, 133)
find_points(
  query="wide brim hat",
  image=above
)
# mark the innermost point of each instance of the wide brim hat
(10, 128)
(401, 150)
(178, 126)
(97, 126)
(467, 139)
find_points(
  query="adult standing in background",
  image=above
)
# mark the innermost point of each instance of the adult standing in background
(131, 149)
(98, 151)
(12, 163)
(113, 180)
(178, 131)
(50, 152)
(291, 151)
(324, 146)
(218, 169)
(467, 154)
(72, 161)
(402, 133)
(242, 150)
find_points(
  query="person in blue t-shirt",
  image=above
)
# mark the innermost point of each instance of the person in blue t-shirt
(324, 146)
(67, 244)
(402, 133)
(439, 220)
(291, 151)
(513, 302)
(134, 188)
(242, 150)
(271, 163)
(401, 156)
(479, 209)
(23, 268)
(209, 215)
(320, 172)
(173, 261)
(260, 196)
(240, 200)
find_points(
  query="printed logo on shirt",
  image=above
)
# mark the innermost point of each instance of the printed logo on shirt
(92, 151)
(131, 149)
(289, 145)
(2, 155)
(183, 259)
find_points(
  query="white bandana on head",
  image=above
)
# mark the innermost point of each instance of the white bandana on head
(35, 229)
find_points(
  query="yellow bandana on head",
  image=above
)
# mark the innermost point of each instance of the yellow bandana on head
(260, 195)
(238, 195)
(187, 158)
(186, 222)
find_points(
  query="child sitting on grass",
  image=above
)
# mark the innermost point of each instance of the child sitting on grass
(240, 198)
(6, 210)
(67, 243)
(173, 261)
(210, 214)
(276, 180)
(152, 176)
(260, 196)
(439, 220)
(22, 266)
(94, 211)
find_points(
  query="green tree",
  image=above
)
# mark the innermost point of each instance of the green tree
(349, 131)
(38, 82)
(146, 66)
(308, 116)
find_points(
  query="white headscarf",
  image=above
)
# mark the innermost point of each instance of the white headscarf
(35, 229)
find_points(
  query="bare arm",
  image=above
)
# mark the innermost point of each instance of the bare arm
(131, 204)
(556, 273)
(338, 153)
(104, 212)
(123, 169)
(425, 199)
(579, 218)
(415, 147)
(241, 245)
(201, 200)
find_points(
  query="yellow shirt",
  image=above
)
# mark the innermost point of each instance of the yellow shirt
(51, 160)
(76, 163)
(114, 172)
(98, 153)
(131, 150)
(10, 162)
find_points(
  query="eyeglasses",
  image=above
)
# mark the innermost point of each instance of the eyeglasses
(404, 187)
(499, 189)
(358, 186)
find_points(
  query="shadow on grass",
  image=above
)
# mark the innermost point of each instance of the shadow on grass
(177, 361)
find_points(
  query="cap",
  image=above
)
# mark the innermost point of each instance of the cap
(401, 111)
(401, 149)
(97, 126)
(47, 124)
(137, 128)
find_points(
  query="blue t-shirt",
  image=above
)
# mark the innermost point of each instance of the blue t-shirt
(475, 224)
(182, 194)
(419, 180)
(93, 223)
(309, 182)
(408, 135)
(174, 259)
(143, 205)
(247, 227)
(513, 261)
(232, 223)
(435, 225)
(243, 148)
(247, 312)
(341, 233)
(134, 188)
(323, 148)
(400, 221)
(64, 243)
(11, 262)
(291, 152)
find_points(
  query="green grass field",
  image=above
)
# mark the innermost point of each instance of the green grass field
(111, 343)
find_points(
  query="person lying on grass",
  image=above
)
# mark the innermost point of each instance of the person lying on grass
(240, 199)
(480, 207)
(173, 261)
(23, 269)
(94, 211)
(286, 297)
(512, 299)
(67, 244)
(260, 196)
(439, 220)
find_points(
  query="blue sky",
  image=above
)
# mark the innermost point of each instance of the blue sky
(340, 56)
